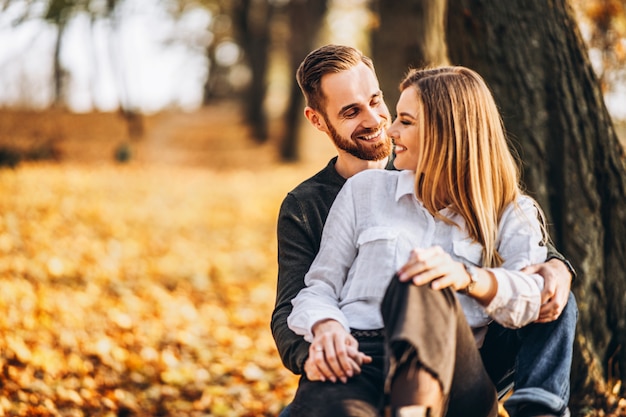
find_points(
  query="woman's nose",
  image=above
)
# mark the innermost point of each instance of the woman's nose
(392, 132)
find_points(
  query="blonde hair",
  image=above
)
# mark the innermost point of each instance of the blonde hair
(464, 161)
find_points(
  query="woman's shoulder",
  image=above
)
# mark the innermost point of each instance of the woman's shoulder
(523, 208)
(379, 182)
(524, 202)
(373, 177)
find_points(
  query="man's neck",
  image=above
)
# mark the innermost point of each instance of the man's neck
(348, 165)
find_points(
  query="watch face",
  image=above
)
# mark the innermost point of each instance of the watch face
(471, 271)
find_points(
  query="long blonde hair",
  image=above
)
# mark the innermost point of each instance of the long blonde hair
(464, 162)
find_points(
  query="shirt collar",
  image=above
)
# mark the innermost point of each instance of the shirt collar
(406, 184)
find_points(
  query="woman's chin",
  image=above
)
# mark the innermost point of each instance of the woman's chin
(400, 163)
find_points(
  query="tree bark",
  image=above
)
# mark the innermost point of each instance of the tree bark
(305, 19)
(410, 34)
(533, 57)
(253, 21)
(58, 73)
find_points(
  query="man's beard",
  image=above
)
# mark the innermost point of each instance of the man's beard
(364, 151)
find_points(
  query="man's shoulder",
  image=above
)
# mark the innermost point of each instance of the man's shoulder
(314, 195)
(325, 183)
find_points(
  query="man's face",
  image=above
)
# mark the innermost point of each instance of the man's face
(355, 115)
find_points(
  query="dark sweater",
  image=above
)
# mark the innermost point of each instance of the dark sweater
(300, 223)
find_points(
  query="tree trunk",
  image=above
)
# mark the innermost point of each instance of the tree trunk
(410, 34)
(58, 73)
(253, 20)
(217, 85)
(305, 19)
(532, 56)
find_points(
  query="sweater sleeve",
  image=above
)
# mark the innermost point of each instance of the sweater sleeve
(297, 248)
(326, 278)
(553, 253)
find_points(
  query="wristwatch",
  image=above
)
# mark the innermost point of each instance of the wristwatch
(473, 274)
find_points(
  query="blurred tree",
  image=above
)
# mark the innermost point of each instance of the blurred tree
(532, 55)
(253, 19)
(305, 19)
(127, 109)
(246, 24)
(59, 13)
(217, 84)
(604, 22)
(394, 52)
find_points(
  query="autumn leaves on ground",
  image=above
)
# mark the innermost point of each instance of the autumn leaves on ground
(143, 288)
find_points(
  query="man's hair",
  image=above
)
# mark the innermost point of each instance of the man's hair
(464, 152)
(326, 60)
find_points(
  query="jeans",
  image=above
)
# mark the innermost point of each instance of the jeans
(362, 396)
(535, 359)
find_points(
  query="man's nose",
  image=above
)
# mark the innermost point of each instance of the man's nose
(373, 118)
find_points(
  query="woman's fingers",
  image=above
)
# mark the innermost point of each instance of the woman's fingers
(432, 266)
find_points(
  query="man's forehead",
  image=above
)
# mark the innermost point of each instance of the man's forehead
(353, 87)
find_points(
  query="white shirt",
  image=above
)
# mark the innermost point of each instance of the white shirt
(375, 222)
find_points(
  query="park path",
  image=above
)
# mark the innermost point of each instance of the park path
(212, 137)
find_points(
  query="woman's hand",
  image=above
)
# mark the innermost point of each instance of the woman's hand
(435, 267)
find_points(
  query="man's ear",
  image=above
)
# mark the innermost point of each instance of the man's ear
(314, 118)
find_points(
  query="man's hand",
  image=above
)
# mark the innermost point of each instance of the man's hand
(557, 282)
(334, 354)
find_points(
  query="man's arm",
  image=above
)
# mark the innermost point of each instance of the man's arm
(297, 248)
(558, 275)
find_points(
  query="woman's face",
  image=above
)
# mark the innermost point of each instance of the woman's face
(404, 130)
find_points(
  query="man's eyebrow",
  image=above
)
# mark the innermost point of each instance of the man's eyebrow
(348, 107)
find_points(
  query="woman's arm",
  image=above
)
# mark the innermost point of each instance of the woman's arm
(319, 300)
(518, 299)
(333, 353)
(509, 296)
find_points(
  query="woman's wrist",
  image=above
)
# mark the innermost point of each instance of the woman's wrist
(481, 284)
(472, 274)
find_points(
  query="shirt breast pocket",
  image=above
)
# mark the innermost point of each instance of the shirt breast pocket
(467, 251)
(374, 265)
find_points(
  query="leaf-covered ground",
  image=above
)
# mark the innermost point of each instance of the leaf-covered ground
(139, 291)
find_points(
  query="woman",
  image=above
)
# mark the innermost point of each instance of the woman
(457, 212)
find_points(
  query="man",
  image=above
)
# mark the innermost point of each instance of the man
(345, 102)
